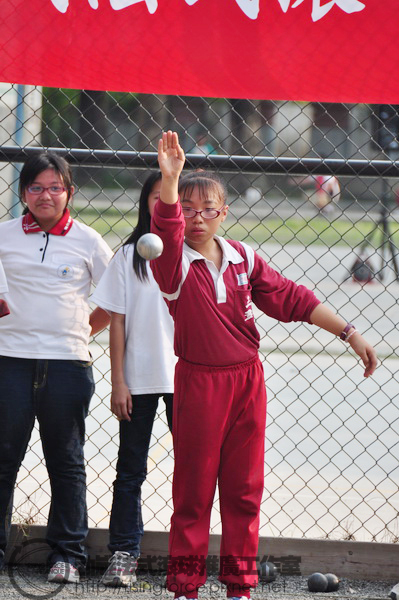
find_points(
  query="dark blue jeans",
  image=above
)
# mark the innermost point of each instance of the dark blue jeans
(126, 524)
(57, 393)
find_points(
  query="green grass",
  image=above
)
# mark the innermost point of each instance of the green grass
(108, 222)
(295, 230)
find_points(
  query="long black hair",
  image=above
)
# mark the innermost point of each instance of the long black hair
(36, 164)
(143, 225)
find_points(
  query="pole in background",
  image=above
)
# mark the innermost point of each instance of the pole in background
(387, 138)
(15, 207)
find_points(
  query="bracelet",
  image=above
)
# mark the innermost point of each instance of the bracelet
(354, 330)
(344, 333)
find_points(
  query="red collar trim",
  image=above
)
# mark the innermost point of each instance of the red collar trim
(30, 225)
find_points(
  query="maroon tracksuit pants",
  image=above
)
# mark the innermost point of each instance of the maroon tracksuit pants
(219, 418)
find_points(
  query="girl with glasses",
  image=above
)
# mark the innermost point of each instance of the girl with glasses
(50, 261)
(219, 408)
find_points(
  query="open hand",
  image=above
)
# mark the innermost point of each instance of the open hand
(171, 156)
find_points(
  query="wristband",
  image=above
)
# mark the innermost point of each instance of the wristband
(354, 330)
(344, 333)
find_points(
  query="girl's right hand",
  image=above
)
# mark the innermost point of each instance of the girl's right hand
(121, 401)
(171, 156)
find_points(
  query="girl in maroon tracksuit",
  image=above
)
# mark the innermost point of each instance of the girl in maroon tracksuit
(220, 398)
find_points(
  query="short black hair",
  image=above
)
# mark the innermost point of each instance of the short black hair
(206, 182)
(34, 165)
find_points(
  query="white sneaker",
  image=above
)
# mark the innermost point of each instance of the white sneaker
(121, 570)
(63, 572)
(394, 595)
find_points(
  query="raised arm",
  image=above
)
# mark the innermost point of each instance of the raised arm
(167, 220)
(171, 161)
(324, 317)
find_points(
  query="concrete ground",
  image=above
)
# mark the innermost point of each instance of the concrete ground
(30, 582)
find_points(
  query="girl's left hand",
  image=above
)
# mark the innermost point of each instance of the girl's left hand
(365, 351)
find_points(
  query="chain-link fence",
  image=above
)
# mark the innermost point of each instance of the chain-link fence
(332, 443)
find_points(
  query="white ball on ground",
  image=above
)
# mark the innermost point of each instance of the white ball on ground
(150, 246)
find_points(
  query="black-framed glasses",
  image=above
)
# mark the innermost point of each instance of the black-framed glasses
(54, 190)
(207, 213)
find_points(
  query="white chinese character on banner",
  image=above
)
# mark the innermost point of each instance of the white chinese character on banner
(249, 7)
(318, 11)
(152, 5)
(285, 4)
(62, 5)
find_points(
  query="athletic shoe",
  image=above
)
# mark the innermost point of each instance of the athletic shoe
(239, 598)
(394, 594)
(63, 572)
(121, 571)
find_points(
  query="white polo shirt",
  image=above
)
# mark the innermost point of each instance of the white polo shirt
(49, 279)
(3, 280)
(149, 357)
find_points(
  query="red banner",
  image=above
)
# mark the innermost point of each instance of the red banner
(315, 50)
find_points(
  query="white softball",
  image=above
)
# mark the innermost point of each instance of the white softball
(150, 246)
